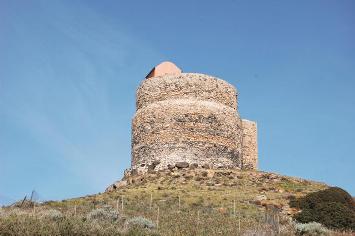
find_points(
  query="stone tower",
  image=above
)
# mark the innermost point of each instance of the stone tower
(190, 117)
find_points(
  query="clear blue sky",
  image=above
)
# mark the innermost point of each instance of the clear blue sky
(69, 71)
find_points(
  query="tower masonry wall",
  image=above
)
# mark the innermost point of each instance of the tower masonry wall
(185, 86)
(190, 118)
(249, 145)
(186, 130)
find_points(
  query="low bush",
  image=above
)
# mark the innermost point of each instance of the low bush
(333, 194)
(332, 207)
(51, 214)
(15, 225)
(140, 222)
(105, 213)
(311, 229)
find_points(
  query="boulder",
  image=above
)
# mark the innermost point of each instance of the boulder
(175, 175)
(110, 188)
(206, 166)
(134, 172)
(151, 168)
(116, 185)
(204, 173)
(182, 164)
(120, 184)
(193, 166)
(155, 163)
(170, 167)
(127, 173)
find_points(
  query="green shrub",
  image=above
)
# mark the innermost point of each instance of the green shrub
(312, 228)
(332, 207)
(333, 194)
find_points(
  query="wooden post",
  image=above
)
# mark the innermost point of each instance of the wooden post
(234, 208)
(239, 222)
(258, 225)
(117, 204)
(122, 202)
(75, 210)
(198, 217)
(158, 218)
(151, 201)
(34, 208)
(179, 203)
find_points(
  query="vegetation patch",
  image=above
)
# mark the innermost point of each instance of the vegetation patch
(164, 205)
(312, 228)
(332, 207)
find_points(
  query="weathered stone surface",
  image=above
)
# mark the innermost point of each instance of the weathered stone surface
(204, 173)
(249, 145)
(156, 162)
(151, 168)
(193, 166)
(110, 188)
(182, 164)
(206, 166)
(188, 117)
(120, 184)
(134, 172)
(187, 130)
(116, 185)
(186, 86)
(170, 167)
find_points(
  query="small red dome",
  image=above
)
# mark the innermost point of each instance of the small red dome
(163, 68)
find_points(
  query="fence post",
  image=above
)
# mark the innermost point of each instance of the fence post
(158, 218)
(234, 208)
(122, 203)
(75, 210)
(151, 201)
(117, 204)
(34, 208)
(179, 203)
(239, 221)
(198, 217)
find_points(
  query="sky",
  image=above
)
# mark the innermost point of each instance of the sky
(69, 71)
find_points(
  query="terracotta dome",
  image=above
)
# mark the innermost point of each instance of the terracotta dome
(163, 68)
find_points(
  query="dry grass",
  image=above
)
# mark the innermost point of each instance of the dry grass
(191, 202)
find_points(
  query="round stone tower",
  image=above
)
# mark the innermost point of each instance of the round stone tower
(186, 117)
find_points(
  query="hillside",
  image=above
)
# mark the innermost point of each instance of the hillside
(198, 201)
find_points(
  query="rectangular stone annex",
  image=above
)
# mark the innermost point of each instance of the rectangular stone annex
(249, 145)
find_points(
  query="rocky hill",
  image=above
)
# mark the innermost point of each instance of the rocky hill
(219, 188)
(196, 201)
